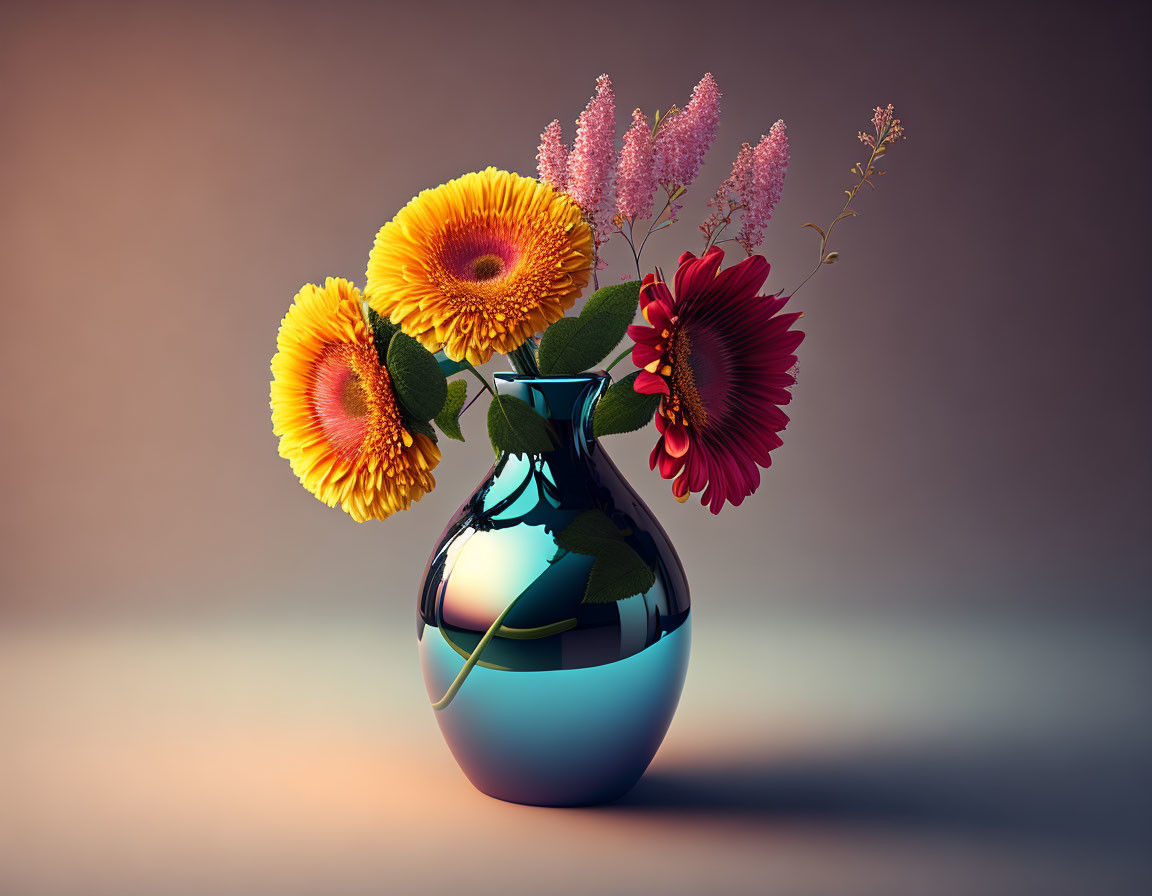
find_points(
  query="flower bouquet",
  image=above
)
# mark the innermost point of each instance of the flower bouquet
(554, 613)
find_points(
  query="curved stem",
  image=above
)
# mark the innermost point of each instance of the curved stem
(652, 225)
(631, 245)
(624, 354)
(454, 688)
(539, 631)
(483, 382)
(471, 401)
(464, 654)
(827, 235)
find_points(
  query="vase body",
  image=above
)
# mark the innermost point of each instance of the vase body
(569, 700)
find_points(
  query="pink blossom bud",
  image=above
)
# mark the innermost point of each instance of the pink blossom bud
(552, 157)
(761, 188)
(683, 142)
(593, 158)
(635, 180)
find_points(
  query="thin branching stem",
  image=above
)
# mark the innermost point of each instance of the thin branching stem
(652, 226)
(471, 401)
(631, 245)
(865, 173)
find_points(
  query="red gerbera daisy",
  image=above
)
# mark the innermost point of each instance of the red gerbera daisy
(721, 356)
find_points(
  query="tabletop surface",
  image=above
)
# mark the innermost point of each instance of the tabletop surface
(812, 753)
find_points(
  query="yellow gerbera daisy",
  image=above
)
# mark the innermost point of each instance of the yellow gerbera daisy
(337, 416)
(480, 264)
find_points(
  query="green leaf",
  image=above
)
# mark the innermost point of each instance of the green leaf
(514, 428)
(585, 532)
(449, 417)
(618, 572)
(575, 344)
(416, 377)
(616, 298)
(382, 331)
(623, 409)
(417, 426)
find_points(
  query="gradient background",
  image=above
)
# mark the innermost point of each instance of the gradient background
(921, 651)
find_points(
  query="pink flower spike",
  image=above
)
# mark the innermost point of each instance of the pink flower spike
(760, 191)
(683, 143)
(593, 159)
(635, 178)
(552, 157)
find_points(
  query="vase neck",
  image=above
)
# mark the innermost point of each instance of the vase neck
(566, 401)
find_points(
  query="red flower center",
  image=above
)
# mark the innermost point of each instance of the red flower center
(480, 256)
(711, 370)
(339, 400)
(352, 398)
(701, 376)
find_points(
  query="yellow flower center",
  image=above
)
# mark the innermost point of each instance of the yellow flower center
(488, 267)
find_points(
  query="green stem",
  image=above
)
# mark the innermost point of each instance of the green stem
(454, 688)
(624, 354)
(520, 634)
(464, 654)
(483, 381)
(539, 631)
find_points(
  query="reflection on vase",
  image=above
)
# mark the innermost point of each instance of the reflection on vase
(569, 700)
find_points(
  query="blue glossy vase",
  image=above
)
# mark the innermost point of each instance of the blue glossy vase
(569, 700)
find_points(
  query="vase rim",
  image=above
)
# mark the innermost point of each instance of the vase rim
(509, 376)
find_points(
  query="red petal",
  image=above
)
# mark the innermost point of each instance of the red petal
(697, 471)
(650, 384)
(772, 304)
(643, 355)
(676, 441)
(643, 334)
(669, 465)
(645, 287)
(745, 278)
(653, 290)
(696, 274)
(659, 314)
(780, 323)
